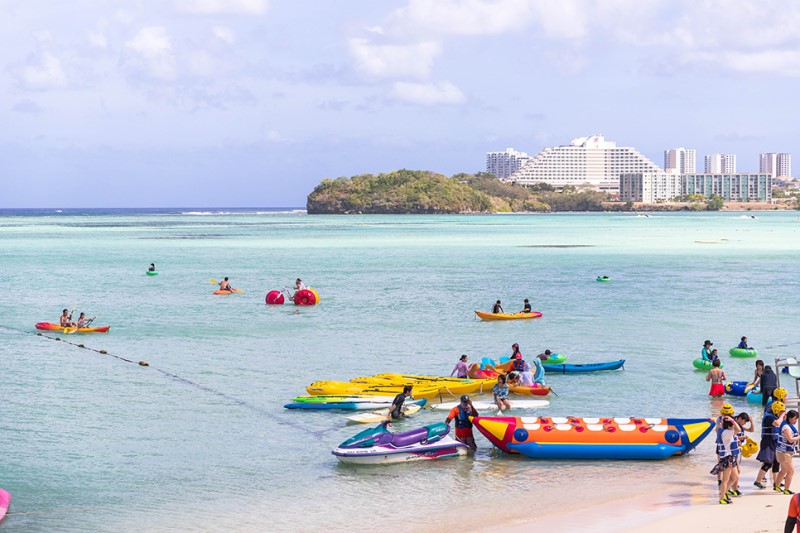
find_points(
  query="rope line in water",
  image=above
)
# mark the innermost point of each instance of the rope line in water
(181, 379)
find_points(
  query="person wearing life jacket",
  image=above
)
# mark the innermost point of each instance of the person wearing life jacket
(769, 439)
(461, 413)
(518, 364)
(725, 410)
(743, 344)
(788, 436)
(727, 448)
(745, 425)
(793, 516)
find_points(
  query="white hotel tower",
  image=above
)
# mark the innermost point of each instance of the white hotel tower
(585, 160)
(776, 164)
(503, 164)
(680, 160)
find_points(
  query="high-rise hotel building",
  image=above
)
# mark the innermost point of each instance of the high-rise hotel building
(680, 160)
(776, 164)
(720, 164)
(503, 164)
(586, 160)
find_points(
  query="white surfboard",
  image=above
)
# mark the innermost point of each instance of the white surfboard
(376, 417)
(515, 404)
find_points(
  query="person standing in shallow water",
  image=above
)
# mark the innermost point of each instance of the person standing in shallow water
(462, 368)
(716, 376)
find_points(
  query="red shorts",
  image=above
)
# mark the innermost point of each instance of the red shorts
(463, 433)
(717, 389)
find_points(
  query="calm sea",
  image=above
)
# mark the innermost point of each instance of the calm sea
(199, 440)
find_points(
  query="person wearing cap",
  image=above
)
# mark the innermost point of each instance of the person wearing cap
(745, 426)
(461, 413)
(705, 353)
(769, 438)
(725, 410)
(497, 309)
(500, 393)
(786, 447)
(726, 452)
(396, 410)
(716, 376)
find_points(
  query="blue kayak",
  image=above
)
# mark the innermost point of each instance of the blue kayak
(587, 367)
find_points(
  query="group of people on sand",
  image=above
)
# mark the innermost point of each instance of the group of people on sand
(497, 308)
(779, 443)
(66, 321)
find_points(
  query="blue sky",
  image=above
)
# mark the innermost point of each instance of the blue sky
(252, 102)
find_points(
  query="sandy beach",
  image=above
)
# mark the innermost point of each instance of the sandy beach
(675, 505)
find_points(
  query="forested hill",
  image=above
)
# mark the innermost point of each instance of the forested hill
(425, 192)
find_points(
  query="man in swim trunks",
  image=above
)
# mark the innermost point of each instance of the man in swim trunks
(224, 285)
(461, 413)
(66, 320)
(396, 410)
(497, 308)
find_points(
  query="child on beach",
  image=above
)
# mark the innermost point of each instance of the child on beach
(725, 410)
(785, 449)
(726, 444)
(745, 425)
(716, 376)
(769, 437)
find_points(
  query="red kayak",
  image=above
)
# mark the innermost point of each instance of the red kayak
(47, 326)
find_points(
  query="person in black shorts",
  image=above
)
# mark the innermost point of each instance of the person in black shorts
(396, 410)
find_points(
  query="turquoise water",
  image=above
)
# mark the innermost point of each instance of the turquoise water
(94, 443)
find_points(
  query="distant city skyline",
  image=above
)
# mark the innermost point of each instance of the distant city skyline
(253, 102)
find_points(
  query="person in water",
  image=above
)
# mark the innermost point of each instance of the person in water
(769, 382)
(726, 465)
(66, 320)
(462, 368)
(152, 267)
(545, 355)
(705, 353)
(786, 447)
(396, 410)
(756, 383)
(461, 414)
(526, 308)
(743, 344)
(769, 439)
(500, 393)
(497, 309)
(716, 376)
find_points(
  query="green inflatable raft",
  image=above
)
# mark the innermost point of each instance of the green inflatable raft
(743, 352)
(702, 364)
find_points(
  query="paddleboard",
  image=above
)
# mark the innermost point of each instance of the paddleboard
(5, 501)
(515, 404)
(376, 417)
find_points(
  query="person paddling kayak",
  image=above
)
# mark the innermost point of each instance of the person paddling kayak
(497, 309)
(527, 307)
(224, 285)
(66, 319)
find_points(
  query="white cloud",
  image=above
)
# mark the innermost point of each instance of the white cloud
(394, 61)
(441, 93)
(153, 47)
(224, 34)
(43, 72)
(97, 39)
(374, 29)
(462, 17)
(274, 136)
(224, 7)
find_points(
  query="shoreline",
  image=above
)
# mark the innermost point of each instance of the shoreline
(681, 505)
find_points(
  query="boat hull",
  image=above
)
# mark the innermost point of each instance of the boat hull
(47, 326)
(507, 316)
(385, 457)
(584, 368)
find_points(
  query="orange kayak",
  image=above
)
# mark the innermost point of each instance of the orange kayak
(47, 326)
(529, 391)
(227, 291)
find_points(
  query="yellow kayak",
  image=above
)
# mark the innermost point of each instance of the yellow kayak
(454, 386)
(328, 388)
(507, 316)
(444, 387)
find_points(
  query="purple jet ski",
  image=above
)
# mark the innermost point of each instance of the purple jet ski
(378, 446)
